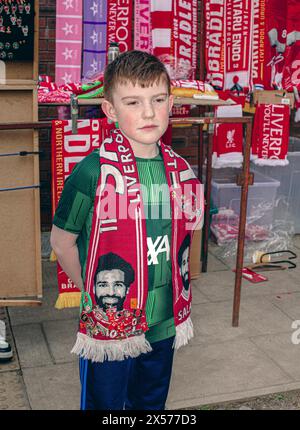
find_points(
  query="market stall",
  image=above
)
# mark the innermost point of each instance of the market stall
(20, 255)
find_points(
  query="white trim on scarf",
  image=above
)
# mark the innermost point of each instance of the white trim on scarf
(110, 350)
(184, 333)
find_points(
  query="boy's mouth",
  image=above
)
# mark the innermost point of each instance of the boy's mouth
(149, 127)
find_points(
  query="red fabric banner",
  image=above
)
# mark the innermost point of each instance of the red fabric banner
(238, 42)
(291, 72)
(119, 23)
(184, 39)
(215, 43)
(67, 150)
(271, 135)
(142, 25)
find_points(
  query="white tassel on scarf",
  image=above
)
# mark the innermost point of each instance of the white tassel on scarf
(110, 350)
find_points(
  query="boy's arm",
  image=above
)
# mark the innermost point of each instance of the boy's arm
(65, 247)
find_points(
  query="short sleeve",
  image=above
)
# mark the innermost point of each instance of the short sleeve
(78, 195)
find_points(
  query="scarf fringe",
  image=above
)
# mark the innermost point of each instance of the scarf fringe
(68, 300)
(110, 350)
(270, 162)
(184, 333)
(52, 257)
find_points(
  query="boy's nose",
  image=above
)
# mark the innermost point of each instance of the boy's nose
(148, 111)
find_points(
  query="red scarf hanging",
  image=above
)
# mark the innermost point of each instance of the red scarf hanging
(67, 150)
(228, 138)
(271, 135)
(118, 240)
(291, 71)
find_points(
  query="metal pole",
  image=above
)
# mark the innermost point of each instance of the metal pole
(207, 202)
(245, 180)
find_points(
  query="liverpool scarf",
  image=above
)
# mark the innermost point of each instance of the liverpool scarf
(228, 138)
(113, 321)
(228, 43)
(142, 25)
(270, 135)
(292, 57)
(67, 150)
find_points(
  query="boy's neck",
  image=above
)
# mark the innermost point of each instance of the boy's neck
(145, 151)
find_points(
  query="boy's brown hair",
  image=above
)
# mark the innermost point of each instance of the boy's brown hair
(137, 67)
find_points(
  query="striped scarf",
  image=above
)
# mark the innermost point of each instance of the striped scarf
(113, 321)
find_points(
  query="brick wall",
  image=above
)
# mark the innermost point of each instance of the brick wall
(46, 67)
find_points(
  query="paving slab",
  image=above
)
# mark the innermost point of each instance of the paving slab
(61, 337)
(213, 321)
(282, 282)
(53, 387)
(288, 303)
(198, 297)
(45, 312)
(32, 347)
(13, 394)
(281, 349)
(49, 274)
(216, 286)
(203, 373)
(214, 264)
(263, 316)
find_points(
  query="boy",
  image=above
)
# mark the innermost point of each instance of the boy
(133, 201)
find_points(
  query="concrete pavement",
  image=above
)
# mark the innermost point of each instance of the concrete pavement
(222, 363)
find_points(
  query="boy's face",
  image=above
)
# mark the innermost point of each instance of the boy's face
(142, 113)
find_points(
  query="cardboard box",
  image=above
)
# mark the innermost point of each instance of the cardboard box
(273, 97)
(195, 260)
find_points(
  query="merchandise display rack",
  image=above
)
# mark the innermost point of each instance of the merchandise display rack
(20, 254)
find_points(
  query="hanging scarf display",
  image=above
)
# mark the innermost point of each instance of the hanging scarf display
(119, 24)
(174, 28)
(161, 31)
(238, 44)
(94, 37)
(291, 72)
(228, 43)
(268, 43)
(67, 150)
(68, 41)
(259, 55)
(214, 43)
(228, 138)
(271, 135)
(276, 12)
(113, 328)
(142, 25)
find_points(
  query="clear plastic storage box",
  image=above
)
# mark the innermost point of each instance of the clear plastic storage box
(261, 195)
(288, 194)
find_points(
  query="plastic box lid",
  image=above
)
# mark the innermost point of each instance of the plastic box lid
(226, 178)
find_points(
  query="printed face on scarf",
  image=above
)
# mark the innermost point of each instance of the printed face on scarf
(184, 268)
(110, 289)
(141, 112)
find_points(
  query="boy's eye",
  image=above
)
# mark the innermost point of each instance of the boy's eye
(131, 103)
(160, 99)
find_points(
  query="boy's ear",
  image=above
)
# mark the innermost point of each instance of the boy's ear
(171, 102)
(109, 110)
